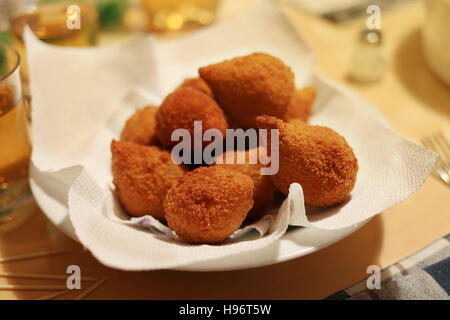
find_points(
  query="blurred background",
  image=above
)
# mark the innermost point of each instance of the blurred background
(106, 22)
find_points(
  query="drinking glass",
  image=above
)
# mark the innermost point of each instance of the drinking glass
(16, 200)
(59, 22)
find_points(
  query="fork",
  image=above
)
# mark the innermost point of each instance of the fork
(439, 144)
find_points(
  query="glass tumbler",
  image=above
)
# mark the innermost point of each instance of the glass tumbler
(16, 200)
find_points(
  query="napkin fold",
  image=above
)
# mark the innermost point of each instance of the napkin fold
(82, 97)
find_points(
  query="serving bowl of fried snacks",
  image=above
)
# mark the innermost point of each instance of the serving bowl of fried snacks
(202, 155)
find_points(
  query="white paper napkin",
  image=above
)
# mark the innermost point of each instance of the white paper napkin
(82, 97)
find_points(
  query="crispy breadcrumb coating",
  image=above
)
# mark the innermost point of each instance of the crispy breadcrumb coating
(252, 85)
(264, 190)
(142, 176)
(208, 204)
(316, 157)
(301, 106)
(198, 84)
(141, 127)
(184, 106)
(297, 121)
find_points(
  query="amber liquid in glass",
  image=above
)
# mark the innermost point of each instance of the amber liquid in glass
(49, 24)
(15, 150)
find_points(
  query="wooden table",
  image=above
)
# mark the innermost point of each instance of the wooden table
(411, 98)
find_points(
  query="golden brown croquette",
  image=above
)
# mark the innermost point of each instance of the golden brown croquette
(141, 127)
(264, 190)
(142, 176)
(252, 85)
(208, 204)
(316, 157)
(301, 105)
(184, 106)
(198, 84)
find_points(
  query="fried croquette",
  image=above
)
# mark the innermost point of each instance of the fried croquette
(264, 190)
(252, 85)
(301, 105)
(208, 204)
(297, 121)
(181, 108)
(142, 176)
(316, 157)
(198, 84)
(140, 128)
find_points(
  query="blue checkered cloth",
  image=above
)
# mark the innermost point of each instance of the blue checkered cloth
(424, 275)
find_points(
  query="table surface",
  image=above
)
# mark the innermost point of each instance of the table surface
(411, 98)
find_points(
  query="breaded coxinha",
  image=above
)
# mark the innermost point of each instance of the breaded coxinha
(264, 190)
(142, 176)
(316, 157)
(198, 84)
(141, 127)
(181, 108)
(252, 85)
(301, 105)
(208, 204)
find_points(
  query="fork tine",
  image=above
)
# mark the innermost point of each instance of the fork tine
(445, 176)
(442, 151)
(441, 167)
(427, 144)
(444, 139)
(431, 143)
(445, 147)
